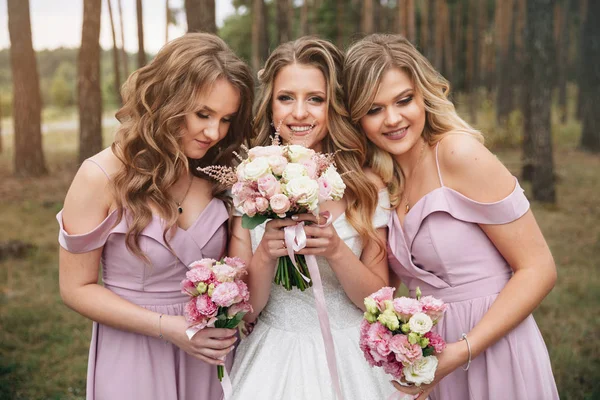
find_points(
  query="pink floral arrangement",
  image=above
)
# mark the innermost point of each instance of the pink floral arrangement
(279, 181)
(218, 297)
(397, 335)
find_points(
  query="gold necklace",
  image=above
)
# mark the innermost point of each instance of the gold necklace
(407, 191)
(179, 207)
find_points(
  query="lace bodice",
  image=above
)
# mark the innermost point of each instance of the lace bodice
(294, 310)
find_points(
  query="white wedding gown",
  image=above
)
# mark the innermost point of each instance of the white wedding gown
(284, 356)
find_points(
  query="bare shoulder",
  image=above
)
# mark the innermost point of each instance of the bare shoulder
(468, 167)
(89, 198)
(374, 178)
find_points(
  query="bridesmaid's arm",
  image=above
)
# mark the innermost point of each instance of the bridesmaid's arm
(83, 211)
(468, 167)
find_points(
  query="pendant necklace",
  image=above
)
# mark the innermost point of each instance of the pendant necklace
(407, 191)
(179, 207)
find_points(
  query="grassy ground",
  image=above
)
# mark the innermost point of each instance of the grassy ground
(43, 345)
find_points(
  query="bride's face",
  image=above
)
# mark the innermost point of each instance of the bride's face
(299, 105)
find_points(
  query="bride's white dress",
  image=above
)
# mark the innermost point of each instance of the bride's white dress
(284, 356)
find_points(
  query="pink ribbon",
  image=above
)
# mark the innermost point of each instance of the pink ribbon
(295, 240)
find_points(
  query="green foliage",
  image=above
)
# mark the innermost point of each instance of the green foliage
(237, 32)
(63, 85)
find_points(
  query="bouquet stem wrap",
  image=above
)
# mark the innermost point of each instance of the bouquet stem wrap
(295, 240)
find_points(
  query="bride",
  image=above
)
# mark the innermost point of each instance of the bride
(284, 357)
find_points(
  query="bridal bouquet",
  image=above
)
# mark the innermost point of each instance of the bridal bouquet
(397, 335)
(278, 181)
(218, 297)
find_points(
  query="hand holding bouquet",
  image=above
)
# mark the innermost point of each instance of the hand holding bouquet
(219, 298)
(397, 335)
(279, 181)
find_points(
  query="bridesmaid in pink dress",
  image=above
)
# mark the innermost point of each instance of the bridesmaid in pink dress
(137, 209)
(462, 229)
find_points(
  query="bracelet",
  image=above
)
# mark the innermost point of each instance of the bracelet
(464, 337)
(160, 335)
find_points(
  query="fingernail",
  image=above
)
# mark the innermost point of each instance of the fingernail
(295, 217)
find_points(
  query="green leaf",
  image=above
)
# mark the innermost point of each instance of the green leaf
(428, 351)
(252, 222)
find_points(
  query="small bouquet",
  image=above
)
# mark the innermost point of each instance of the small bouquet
(279, 181)
(396, 335)
(218, 297)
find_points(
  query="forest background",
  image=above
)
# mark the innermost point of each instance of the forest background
(524, 72)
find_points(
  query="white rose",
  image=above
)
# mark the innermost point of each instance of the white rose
(298, 153)
(293, 171)
(304, 190)
(335, 181)
(421, 371)
(257, 168)
(420, 323)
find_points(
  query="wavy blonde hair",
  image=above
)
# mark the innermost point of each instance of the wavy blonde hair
(366, 62)
(156, 99)
(348, 144)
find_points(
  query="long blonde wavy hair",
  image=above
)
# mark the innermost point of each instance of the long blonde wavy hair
(343, 139)
(366, 62)
(156, 99)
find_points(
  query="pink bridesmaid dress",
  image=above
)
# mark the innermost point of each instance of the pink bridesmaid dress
(442, 250)
(124, 365)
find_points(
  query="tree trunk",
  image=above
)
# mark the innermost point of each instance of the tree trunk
(283, 26)
(503, 79)
(561, 38)
(539, 73)
(259, 34)
(1, 126)
(200, 15)
(304, 11)
(367, 17)
(437, 25)
(89, 92)
(590, 134)
(424, 35)
(141, 56)
(470, 80)
(27, 104)
(401, 27)
(457, 37)
(487, 48)
(583, 8)
(115, 56)
(123, 51)
(168, 20)
(341, 20)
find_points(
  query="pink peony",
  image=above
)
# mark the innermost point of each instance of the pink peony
(268, 186)
(280, 204)
(393, 368)
(364, 346)
(379, 337)
(244, 293)
(206, 306)
(383, 294)
(405, 352)
(225, 273)
(226, 294)
(277, 164)
(261, 204)
(199, 273)
(433, 307)
(264, 151)
(436, 341)
(324, 189)
(249, 208)
(192, 315)
(238, 308)
(406, 307)
(205, 262)
(188, 287)
(311, 168)
(241, 192)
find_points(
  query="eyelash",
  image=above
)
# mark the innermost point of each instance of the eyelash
(402, 102)
(318, 100)
(204, 116)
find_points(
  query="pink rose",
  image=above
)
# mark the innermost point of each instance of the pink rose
(205, 262)
(311, 168)
(280, 204)
(264, 151)
(436, 341)
(404, 351)
(277, 164)
(433, 307)
(235, 262)
(206, 306)
(244, 293)
(188, 287)
(225, 294)
(261, 204)
(379, 337)
(393, 368)
(406, 307)
(224, 272)
(199, 274)
(324, 189)
(268, 186)
(383, 294)
(249, 208)
(241, 192)
(238, 308)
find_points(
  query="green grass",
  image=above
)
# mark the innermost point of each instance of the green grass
(44, 345)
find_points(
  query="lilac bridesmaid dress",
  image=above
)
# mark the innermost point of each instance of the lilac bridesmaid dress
(442, 250)
(124, 365)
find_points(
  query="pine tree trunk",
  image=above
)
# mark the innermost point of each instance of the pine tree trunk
(503, 79)
(438, 26)
(89, 92)
(168, 19)
(283, 27)
(424, 29)
(487, 48)
(259, 34)
(583, 8)
(1, 149)
(457, 37)
(367, 24)
(561, 38)
(27, 104)
(141, 56)
(200, 15)
(590, 133)
(410, 21)
(123, 51)
(115, 56)
(541, 56)
(304, 11)
(470, 79)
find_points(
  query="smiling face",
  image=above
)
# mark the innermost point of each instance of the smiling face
(205, 127)
(299, 105)
(396, 119)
